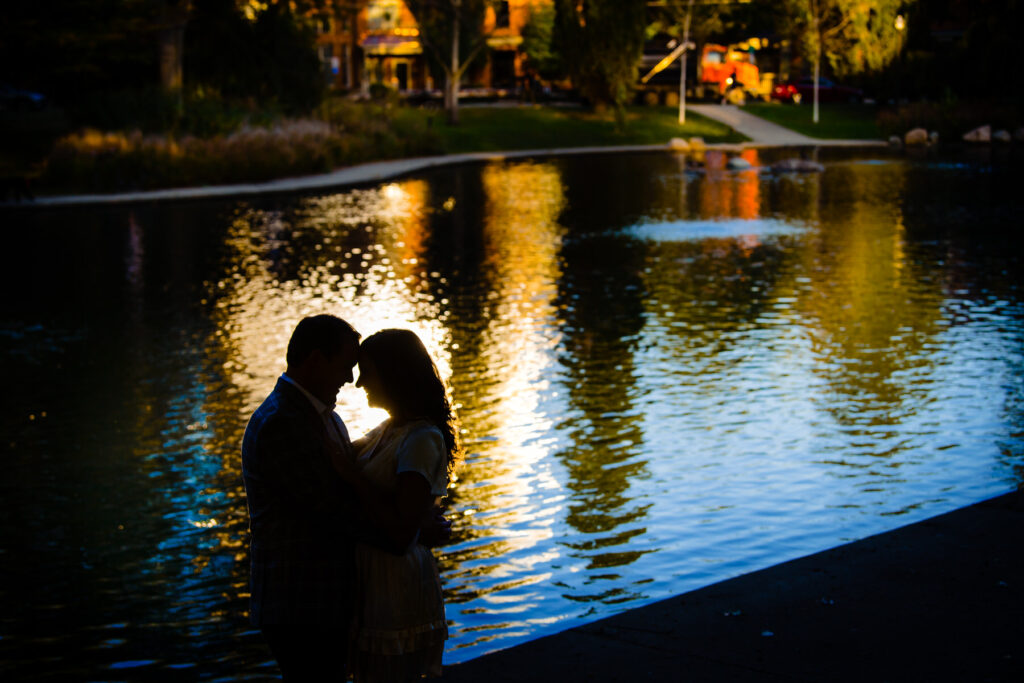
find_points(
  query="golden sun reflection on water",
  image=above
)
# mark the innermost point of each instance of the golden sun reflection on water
(509, 451)
(373, 283)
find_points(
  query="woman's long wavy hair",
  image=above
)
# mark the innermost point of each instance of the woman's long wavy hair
(412, 383)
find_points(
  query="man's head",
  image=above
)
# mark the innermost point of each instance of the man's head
(321, 354)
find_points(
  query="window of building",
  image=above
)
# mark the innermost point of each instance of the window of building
(502, 16)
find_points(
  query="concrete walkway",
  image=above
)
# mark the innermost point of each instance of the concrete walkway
(351, 176)
(761, 133)
(940, 600)
(764, 133)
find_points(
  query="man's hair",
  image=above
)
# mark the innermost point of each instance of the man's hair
(326, 333)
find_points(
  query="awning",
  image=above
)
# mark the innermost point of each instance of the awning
(504, 42)
(391, 45)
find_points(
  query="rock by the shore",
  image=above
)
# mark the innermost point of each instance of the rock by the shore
(916, 136)
(738, 164)
(1002, 136)
(933, 137)
(895, 141)
(979, 134)
(679, 144)
(797, 166)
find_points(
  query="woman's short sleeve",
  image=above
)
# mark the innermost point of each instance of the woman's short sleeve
(423, 452)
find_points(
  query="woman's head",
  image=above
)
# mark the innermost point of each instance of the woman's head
(398, 375)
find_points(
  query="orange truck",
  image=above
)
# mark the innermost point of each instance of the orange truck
(730, 72)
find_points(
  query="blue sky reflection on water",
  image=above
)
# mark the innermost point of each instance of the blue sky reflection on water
(665, 379)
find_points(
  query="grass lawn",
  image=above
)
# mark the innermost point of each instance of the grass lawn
(837, 121)
(491, 129)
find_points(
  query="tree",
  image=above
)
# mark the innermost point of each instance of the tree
(450, 30)
(266, 54)
(70, 49)
(542, 57)
(853, 35)
(171, 37)
(708, 19)
(602, 43)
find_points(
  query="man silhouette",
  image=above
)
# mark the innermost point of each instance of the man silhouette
(302, 515)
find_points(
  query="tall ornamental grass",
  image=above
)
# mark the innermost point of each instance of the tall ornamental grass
(343, 133)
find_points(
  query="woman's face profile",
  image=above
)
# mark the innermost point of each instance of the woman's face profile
(369, 380)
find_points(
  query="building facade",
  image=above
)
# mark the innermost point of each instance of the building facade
(367, 42)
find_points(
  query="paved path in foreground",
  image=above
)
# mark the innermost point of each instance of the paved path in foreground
(351, 176)
(939, 600)
(762, 134)
(765, 133)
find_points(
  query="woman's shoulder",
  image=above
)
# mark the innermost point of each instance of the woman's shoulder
(422, 426)
(424, 432)
(423, 450)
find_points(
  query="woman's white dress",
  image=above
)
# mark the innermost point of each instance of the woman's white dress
(400, 626)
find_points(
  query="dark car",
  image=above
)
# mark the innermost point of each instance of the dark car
(15, 99)
(828, 91)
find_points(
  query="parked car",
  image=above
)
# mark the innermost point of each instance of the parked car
(802, 90)
(786, 92)
(15, 99)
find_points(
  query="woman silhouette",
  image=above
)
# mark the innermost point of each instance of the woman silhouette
(402, 469)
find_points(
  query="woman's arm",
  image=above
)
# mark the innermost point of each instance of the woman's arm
(395, 515)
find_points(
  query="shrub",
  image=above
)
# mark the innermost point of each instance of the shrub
(203, 112)
(344, 133)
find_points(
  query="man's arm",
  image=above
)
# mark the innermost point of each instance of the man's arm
(292, 460)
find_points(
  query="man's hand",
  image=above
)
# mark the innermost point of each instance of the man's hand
(435, 529)
(345, 465)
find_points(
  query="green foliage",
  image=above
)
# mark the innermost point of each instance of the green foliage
(383, 93)
(206, 112)
(89, 55)
(271, 58)
(67, 49)
(287, 59)
(708, 20)
(602, 42)
(852, 36)
(715, 21)
(435, 19)
(974, 65)
(538, 35)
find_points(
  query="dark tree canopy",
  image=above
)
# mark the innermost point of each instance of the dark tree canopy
(75, 51)
(601, 42)
(436, 20)
(538, 43)
(70, 48)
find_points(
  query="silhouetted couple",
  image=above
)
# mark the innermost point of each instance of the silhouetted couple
(343, 582)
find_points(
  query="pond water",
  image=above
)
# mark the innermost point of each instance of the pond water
(665, 379)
